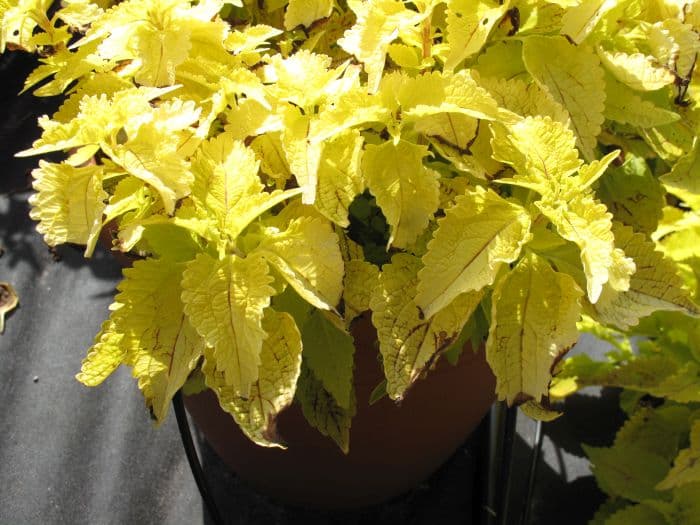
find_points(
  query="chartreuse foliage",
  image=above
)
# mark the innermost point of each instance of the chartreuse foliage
(652, 471)
(460, 169)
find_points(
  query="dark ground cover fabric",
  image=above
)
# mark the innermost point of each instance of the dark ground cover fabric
(69, 454)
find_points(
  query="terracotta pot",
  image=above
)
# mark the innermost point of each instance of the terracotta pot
(392, 448)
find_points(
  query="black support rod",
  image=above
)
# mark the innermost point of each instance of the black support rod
(193, 459)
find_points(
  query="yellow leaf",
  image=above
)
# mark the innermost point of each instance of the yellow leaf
(339, 177)
(533, 322)
(306, 12)
(304, 78)
(455, 128)
(638, 71)
(378, 24)
(152, 157)
(361, 279)
(526, 99)
(453, 93)
(350, 109)
(480, 233)
(406, 191)
(268, 150)
(574, 79)
(19, 19)
(156, 36)
(227, 189)
(587, 223)
(654, 286)
(303, 155)
(103, 357)
(580, 20)
(149, 326)
(408, 342)
(68, 204)
(541, 150)
(469, 26)
(280, 364)
(224, 301)
(307, 255)
(250, 118)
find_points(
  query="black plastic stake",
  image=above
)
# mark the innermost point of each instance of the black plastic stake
(193, 459)
(501, 440)
(532, 475)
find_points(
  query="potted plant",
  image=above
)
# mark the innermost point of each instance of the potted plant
(287, 173)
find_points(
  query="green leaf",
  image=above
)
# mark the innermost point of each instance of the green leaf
(659, 375)
(629, 472)
(224, 300)
(322, 411)
(406, 191)
(633, 195)
(68, 204)
(684, 178)
(539, 411)
(623, 105)
(686, 466)
(657, 430)
(480, 233)
(408, 342)
(501, 59)
(533, 323)
(686, 505)
(280, 365)
(637, 515)
(575, 80)
(329, 354)
(607, 509)
(170, 241)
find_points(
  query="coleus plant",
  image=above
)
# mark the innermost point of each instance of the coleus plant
(651, 473)
(484, 170)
